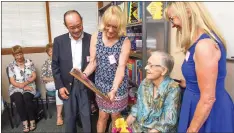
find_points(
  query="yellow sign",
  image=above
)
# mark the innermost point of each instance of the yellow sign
(155, 9)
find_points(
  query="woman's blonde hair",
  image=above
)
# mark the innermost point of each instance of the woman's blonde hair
(16, 49)
(116, 14)
(48, 46)
(200, 18)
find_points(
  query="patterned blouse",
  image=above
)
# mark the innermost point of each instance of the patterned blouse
(161, 113)
(46, 70)
(21, 75)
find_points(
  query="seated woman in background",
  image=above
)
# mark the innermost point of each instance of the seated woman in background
(48, 80)
(22, 87)
(158, 98)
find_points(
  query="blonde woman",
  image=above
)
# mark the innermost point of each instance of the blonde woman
(48, 80)
(206, 106)
(109, 52)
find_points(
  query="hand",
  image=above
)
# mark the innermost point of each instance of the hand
(47, 80)
(51, 79)
(85, 75)
(130, 119)
(30, 79)
(153, 131)
(28, 88)
(182, 83)
(64, 93)
(111, 95)
(21, 85)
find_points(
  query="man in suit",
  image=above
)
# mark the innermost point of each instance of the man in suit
(71, 50)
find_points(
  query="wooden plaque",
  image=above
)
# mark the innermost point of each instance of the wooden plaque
(80, 76)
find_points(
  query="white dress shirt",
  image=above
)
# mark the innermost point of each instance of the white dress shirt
(76, 48)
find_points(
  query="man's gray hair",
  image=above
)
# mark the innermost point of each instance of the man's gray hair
(167, 60)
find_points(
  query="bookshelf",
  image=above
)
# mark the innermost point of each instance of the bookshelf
(137, 55)
(134, 24)
(147, 32)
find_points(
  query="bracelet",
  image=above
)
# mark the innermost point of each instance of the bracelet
(85, 74)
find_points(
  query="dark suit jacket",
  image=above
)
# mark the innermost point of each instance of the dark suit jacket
(62, 60)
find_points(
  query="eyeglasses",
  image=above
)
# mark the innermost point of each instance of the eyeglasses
(171, 19)
(151, 65)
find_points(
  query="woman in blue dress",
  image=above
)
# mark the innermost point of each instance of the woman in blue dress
(206, 106)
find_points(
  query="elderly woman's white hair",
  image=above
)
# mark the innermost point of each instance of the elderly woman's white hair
(167, 61)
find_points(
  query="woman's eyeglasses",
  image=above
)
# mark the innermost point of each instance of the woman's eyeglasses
(151, 65)
(171, 19)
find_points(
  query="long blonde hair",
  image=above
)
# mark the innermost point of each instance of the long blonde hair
(200, 18)
(115, 13)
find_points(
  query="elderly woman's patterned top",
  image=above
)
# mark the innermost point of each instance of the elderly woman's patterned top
(160, 113)
(21, 75)
(46, 70)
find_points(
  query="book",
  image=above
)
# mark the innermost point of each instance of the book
(139, 75)
(133, 12)
(140, 11)
(131, 69)
(80, 76)
(134, 34)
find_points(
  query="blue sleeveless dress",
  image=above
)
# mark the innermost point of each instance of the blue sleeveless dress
(221, 118)
(105, 74)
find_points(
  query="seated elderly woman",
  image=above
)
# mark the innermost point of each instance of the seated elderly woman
(158, 98)
(48, 80)
(22, 87)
